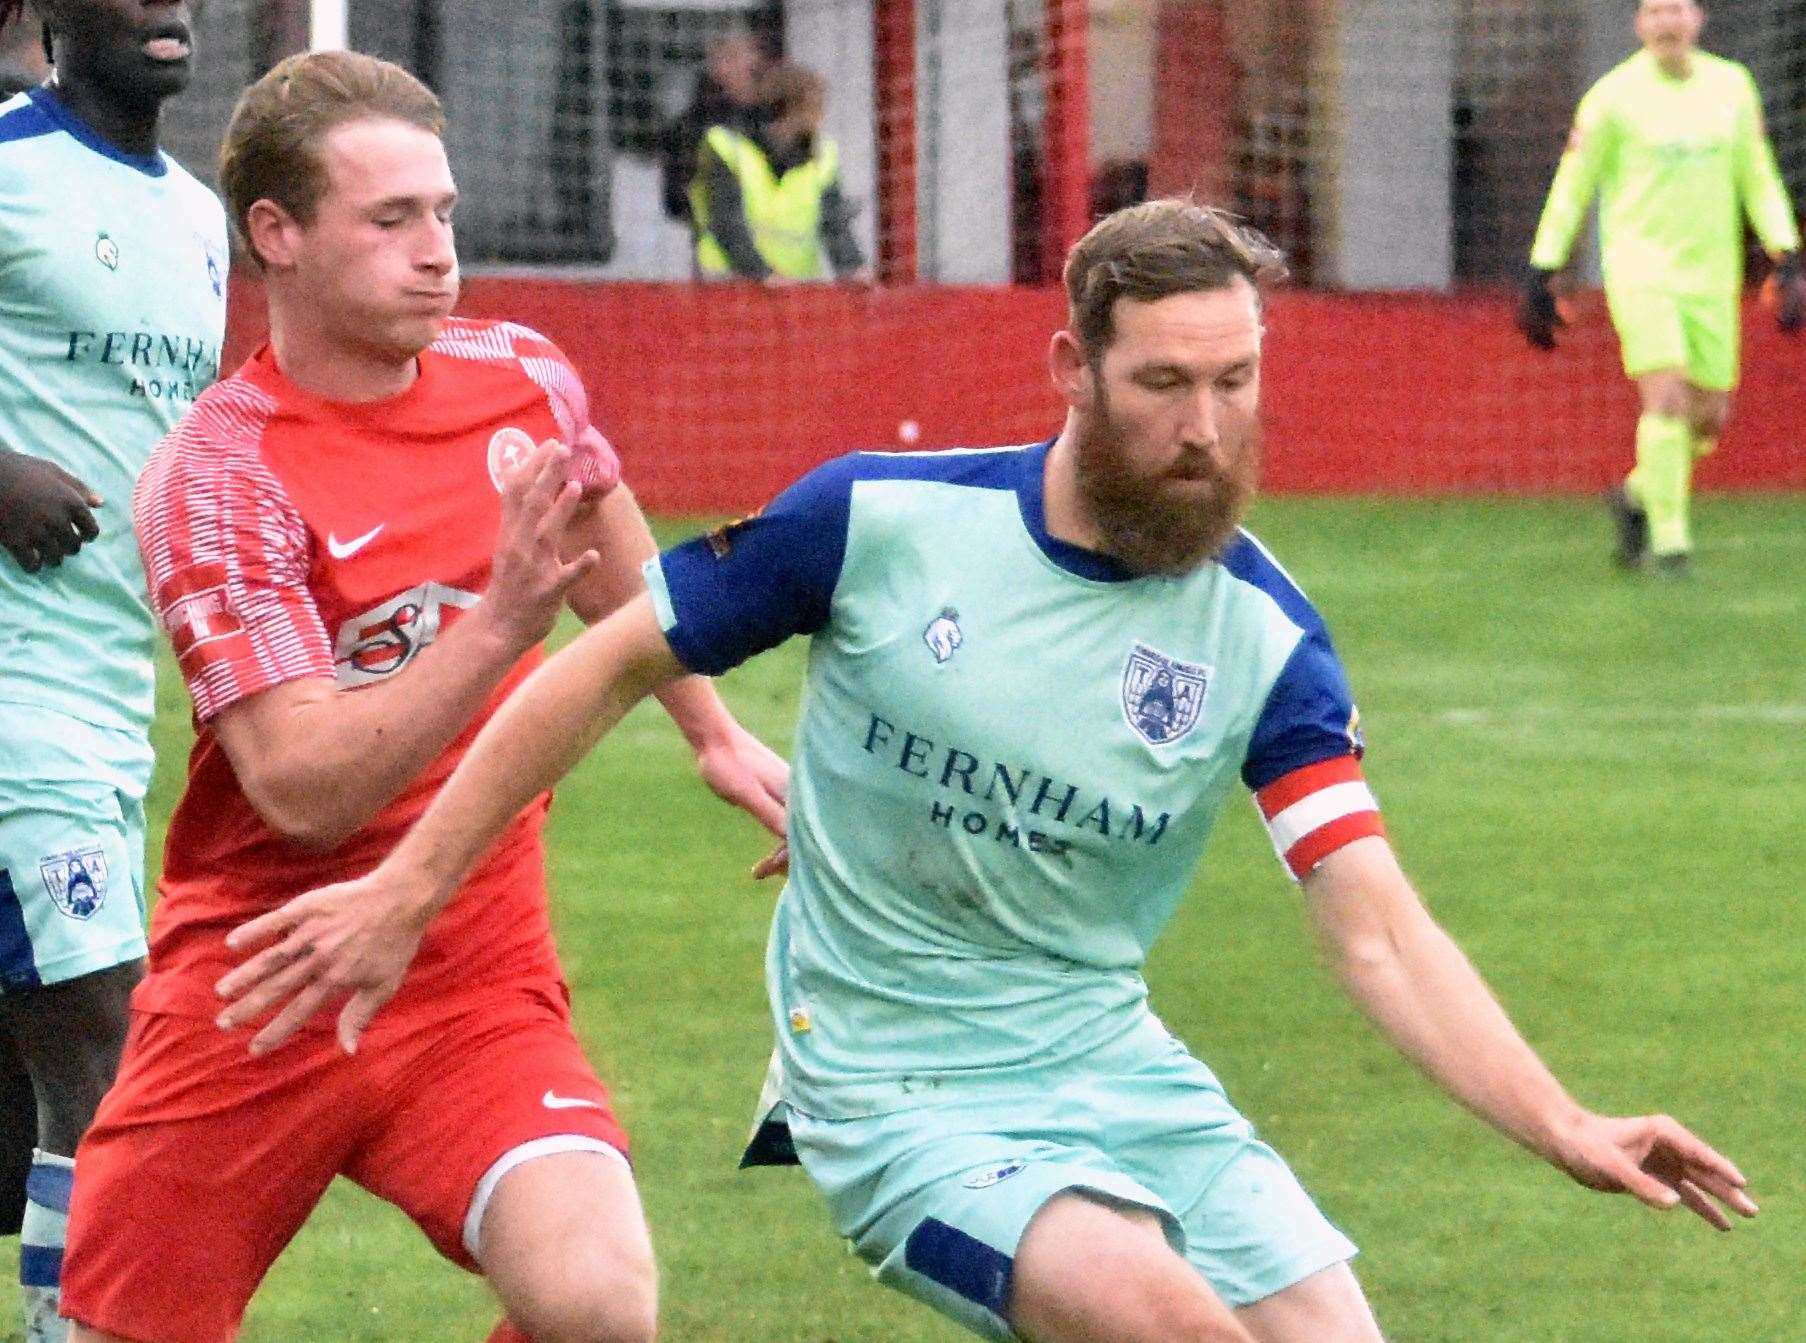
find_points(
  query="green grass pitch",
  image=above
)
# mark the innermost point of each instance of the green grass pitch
(1596, 781)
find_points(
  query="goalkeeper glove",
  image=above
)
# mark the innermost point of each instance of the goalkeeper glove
(1790, 293)
(1538, 316)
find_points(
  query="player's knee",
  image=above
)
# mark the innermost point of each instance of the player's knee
(1116, 1287)
(67, 1097)
(70, 1094)
(1710, 422)
(1326, 1307)
(1190, 1317)
(70, 1037)
(616, 1322)
(619, 1306)
(1666, 394)
(1149, 1320)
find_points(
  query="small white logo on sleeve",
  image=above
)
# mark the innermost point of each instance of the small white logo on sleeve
(344, 550)
(106, 251)
(996, 1175)
(943, 634)
(552, 1101)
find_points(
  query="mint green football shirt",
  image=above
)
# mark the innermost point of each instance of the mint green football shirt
(112, 311)
(1677, 164)
(1010, 755)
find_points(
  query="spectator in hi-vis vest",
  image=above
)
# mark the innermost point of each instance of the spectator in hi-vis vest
(728, 92)
(768, 203)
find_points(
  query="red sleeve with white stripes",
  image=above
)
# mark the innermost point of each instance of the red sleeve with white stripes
(1315, 810)
(594, 464)
(226, 556)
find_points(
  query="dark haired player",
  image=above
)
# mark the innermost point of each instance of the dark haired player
(112, 307)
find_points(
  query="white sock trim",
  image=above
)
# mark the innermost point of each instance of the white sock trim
(516, 1156)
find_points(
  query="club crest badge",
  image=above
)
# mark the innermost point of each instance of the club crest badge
(1162, 697)
(509, 448)
(106, 251)
(76, 881)
(943, 634)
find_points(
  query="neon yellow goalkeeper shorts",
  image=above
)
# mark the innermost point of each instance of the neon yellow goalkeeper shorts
(1696, 333)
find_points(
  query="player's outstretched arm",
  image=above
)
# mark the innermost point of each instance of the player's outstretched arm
(45, 513)
(1583, 163)
(1763, 192)
(1413, 982)
(319, 764)
(357, 938)
(736, 765)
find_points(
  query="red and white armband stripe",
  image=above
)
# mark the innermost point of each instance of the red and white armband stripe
(1313, 811)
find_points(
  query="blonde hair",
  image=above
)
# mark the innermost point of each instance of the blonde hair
(272, 146)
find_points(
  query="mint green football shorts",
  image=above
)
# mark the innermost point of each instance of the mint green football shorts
(71, 847)
(937, 1198)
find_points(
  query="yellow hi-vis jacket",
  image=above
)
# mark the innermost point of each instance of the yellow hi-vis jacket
(783, 214)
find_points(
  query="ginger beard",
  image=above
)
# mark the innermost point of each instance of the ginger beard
(1166, 521)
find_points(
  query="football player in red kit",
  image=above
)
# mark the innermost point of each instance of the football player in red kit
(356, 545)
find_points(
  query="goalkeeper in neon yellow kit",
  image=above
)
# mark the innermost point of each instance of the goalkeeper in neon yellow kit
(1673, 142)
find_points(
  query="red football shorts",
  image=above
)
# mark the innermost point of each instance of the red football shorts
(203, 1162)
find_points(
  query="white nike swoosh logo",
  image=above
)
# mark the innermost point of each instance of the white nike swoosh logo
(554, 1102)
(344, 550)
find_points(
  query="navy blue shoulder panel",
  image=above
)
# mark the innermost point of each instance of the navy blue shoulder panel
(1246, 559)
(51, 107)
(751, 584)
(1310, 714)
(988, 468)
(1022, 469)
(27, 121)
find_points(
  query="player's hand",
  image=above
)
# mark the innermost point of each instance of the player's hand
(1790, 293)
(357, 938)
(1656, 1160)
(743, 770)
(45, 513)
(529, 579)
(1538, 315)
(774, 864)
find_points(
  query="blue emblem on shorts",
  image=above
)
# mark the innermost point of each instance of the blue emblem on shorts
(76, 881)
(1162, 696)
(996, 1175)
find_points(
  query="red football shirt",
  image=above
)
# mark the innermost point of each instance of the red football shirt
(286, 536)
